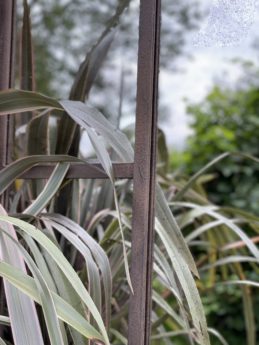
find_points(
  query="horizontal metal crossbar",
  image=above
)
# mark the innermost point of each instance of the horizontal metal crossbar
(83, 171)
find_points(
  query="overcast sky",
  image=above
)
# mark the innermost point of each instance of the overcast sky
(227, 32)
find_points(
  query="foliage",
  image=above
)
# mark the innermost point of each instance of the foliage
(75, 264)
(227, 121)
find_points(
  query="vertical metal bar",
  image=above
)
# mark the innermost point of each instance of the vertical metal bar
(7, 43)
(144, 173)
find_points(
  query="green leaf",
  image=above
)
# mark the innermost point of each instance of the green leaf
(182, 332)
(44, 270)
(17, 101)
(38, 143)
(97, 252)
(20, 307)
(172, 229)
(105, 160)
(87, 116)
(64, 265)
(216, 160)
(64, 311)
(81, 87)
(159, 300)
(49, 190)
(240, 282)
(45, 297)
(229, 260)
(38, 135)
(94, 281)
(2, 342)
(212, 211)
(85, 78)
(119, 337)
(249, 315)
(187, 284)
(26, 51)
(192, 180)
(5, 320)
(26, 59)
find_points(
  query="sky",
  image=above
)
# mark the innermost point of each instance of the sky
(227, 32)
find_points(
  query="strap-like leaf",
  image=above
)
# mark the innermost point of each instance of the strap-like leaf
(98, 254)
(20, 307)
(65, 311)
(64, 265)
(49, 190)
(16, 101)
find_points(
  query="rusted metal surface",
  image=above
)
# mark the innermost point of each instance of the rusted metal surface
(89, 171)
(144, 173)
(7, 43)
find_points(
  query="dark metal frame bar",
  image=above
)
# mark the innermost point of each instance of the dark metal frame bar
(83, 171)
(144, 173)
(142, 170)
(7, 44)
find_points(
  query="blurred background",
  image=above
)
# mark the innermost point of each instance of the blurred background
(209, 94)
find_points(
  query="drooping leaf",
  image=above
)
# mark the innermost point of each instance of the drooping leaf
(94, 279)
(187, 284)
(2, 342)
(85, 78)
(64, 265)
(5, 320)
(97, 252)
(212, 211)
(65, 312)
(17, 101)
(49, 190)
(20, 307)
(228, 260)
